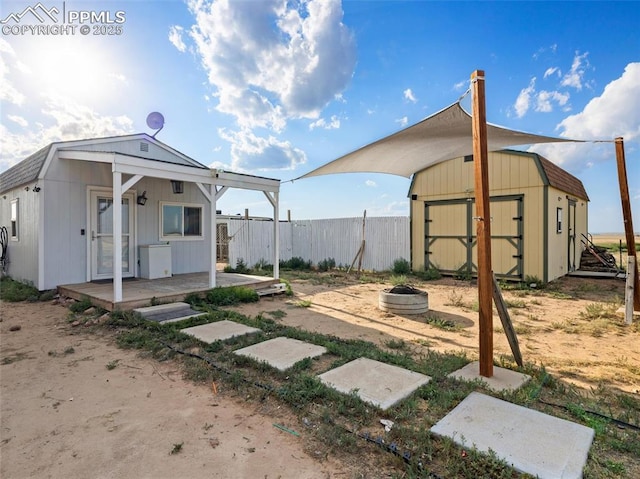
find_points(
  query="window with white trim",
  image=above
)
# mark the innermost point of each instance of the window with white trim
(181, 221)
(558, 220)
(15, 226)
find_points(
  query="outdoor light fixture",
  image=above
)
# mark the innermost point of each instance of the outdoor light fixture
(36, 188)
(177, 187)
(142, 199)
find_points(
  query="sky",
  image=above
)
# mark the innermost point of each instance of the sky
(279, 88)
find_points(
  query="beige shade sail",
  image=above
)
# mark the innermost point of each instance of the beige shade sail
(439, 137)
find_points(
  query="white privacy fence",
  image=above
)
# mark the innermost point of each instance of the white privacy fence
(386, 239)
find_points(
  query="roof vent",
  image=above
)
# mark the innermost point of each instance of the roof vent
(144, 146)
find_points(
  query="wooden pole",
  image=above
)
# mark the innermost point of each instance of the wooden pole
(626, 216)
(364, 219)
(629, 290)
(483, 218)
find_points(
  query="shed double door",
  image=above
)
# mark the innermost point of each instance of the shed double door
(451, 242)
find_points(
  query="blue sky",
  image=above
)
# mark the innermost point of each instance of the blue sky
(278, 88)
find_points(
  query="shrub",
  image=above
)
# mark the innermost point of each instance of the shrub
(428, 274)
(263, 265)
(327, 264)
(241, 267)
(231, 295)
(401, 266)
(296, 263)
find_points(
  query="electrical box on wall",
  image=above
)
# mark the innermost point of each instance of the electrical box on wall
(155, 261)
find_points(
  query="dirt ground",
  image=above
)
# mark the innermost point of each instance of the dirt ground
(74, 405)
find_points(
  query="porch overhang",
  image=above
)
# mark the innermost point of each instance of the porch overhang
(212, 183)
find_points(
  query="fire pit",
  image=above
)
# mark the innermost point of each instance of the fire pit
(403, 299)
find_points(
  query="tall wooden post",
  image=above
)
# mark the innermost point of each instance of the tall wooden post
(483, 219)
(626, 216)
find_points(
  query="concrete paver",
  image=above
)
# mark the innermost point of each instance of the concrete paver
(377, 383)
(219, 331)
(532, 442)
(281, 353)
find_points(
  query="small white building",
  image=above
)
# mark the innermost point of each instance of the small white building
(58, 208)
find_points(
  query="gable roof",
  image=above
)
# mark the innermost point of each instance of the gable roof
(29, 169)
(25, 171)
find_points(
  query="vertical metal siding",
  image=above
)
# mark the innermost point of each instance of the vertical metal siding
(387, 239)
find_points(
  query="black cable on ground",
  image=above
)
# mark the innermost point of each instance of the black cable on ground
(378, 440)
(615, 421)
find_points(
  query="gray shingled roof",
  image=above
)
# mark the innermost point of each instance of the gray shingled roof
(24, 172)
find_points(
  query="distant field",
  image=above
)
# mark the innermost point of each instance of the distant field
(608, 238)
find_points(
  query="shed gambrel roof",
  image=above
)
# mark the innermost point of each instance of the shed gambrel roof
(29, 169)
(555, 176)
(562, 179)
(24, 172)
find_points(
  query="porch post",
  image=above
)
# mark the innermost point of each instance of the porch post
(117, 237)
(276, 236)
(214, 239)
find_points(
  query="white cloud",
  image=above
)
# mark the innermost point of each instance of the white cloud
(175, 37)
(524, 99)
(119, 77)
(250, 152)
(616, 112)
(71, 121)
(546, 98)
(550, 71)
(271, 59)
(270, 62)
(461, 85)
(371, 184)
(403, 121)
(574, 78)
(333, 124)
(408, 95)
(18, 120)
(8, 92)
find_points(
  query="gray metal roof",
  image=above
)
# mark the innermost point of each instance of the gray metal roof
(24, 172)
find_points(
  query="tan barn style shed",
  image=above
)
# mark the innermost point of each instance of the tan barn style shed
(538, 217)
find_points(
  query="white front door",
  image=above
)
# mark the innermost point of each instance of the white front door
(101, 239)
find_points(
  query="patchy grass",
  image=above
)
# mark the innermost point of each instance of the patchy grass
(15, 291)
(335, 423)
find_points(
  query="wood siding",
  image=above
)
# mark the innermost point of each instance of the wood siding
(23, 253)
(510, 174)
(66, 249)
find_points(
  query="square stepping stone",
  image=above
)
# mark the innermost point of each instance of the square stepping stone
(532, 442)
(219, 331)
(281, 353)
(374, 382)
(168, 313)
(502, 379)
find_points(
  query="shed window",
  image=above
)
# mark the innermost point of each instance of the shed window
(180, 221)
(558, 220)
(14, 220)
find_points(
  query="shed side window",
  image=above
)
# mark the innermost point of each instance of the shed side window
(180, 221)
(558, 220)
(14, 220)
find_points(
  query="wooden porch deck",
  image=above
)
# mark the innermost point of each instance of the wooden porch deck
(137, 292)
